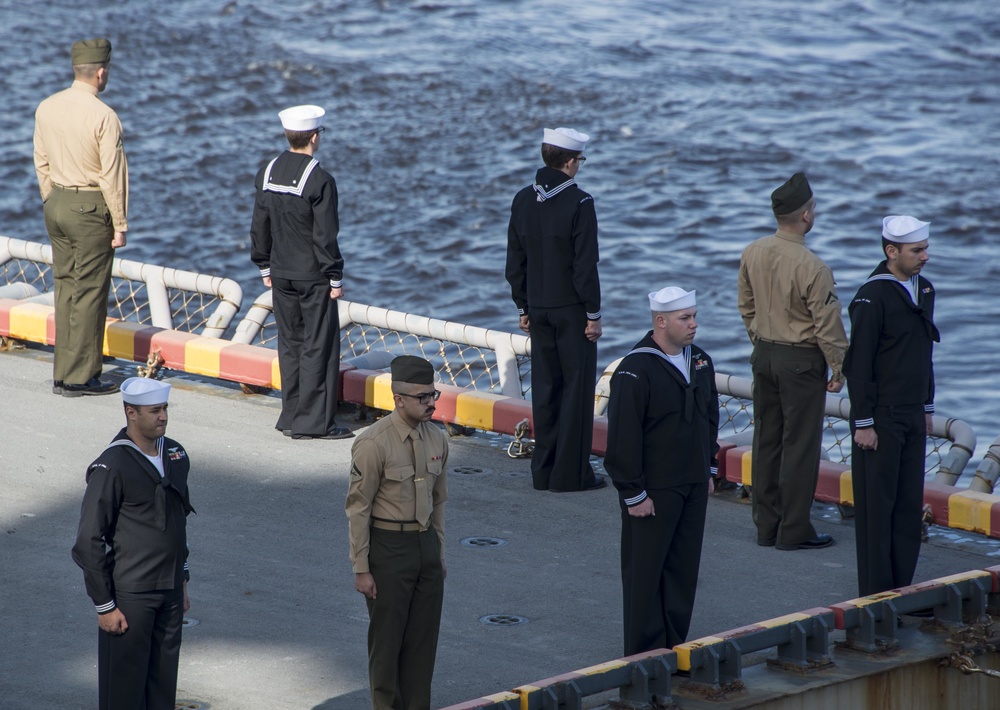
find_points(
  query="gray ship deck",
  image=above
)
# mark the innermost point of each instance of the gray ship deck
(279, 623)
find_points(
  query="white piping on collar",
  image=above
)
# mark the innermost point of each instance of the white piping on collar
(289, 189)
(544, 195)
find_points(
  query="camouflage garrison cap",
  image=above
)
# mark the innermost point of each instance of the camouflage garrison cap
(792, 195)
(91, 51)
(415, 370)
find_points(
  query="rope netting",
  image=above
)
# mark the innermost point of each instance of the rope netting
(127, 299)
(457, 364)
(736, 417)
(33, 273)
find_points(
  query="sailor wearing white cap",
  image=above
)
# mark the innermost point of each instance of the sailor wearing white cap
(890, 379)
(302, 118)
(132, 547)
(903, 229)
(143, 391)
(663, 425)
(552, 270)
(565, 138)
(293, 241)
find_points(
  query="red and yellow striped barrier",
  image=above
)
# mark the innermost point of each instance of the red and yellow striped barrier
(196, 354)
(951, 507)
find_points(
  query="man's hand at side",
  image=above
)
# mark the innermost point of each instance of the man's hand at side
(593, 330)
(365, 583)
(866, 439)
(113, 622)
(644, 509)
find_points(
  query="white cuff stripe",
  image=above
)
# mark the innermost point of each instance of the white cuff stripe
(929, 408)
(265, 272)
(864, 423)
(636, 500)
(104, 608)
(336, 284)
(594, 316)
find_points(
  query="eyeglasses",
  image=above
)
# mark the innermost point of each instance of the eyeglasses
(423, 398)
(581, 158)
(321, 129)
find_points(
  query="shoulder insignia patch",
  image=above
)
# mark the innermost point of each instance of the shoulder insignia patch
(831, 298)
(355, 471)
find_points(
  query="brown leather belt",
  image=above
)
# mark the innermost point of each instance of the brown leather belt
(397, 526)
(811, 346)
(83, 188)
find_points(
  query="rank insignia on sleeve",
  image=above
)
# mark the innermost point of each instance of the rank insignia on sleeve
(831, 298)
(355, 471)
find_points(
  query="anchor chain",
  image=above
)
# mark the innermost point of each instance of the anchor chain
(926, 520)
(968, 666)
(153, 364)
(970, 641)
(519, 449)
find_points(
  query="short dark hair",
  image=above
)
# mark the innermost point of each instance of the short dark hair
(556, 157)
(88, 71)
(298, 140)
(887, 243)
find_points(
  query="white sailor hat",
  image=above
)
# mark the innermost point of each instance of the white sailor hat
(904, 229)
(565, 138)
(671, 298)
(144, 391)
(302, 118)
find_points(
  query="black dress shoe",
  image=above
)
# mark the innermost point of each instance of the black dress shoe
(766, 543)
(93, 386)
(335, 433)
(57, 386)
(820, 541)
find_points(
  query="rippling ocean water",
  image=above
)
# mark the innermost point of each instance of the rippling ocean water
(696, 113)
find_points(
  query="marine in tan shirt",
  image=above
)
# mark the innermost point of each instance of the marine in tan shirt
(787, 295)
(83, 180)
(395, 511)
(789, 305)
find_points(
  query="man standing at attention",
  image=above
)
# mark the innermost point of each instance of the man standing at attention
(792, 314)
(83, 178)
(552, 270)
(132, 547)
(395, 514)
(293, 241)
(890, 379)
(663, 426)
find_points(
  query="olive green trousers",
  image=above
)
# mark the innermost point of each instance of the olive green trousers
(80, 230)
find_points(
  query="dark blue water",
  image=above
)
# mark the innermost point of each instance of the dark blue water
(697, 112)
